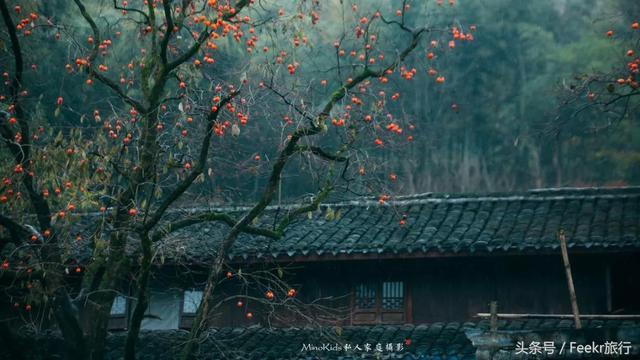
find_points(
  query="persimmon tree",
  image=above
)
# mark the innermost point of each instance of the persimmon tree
(154, 98)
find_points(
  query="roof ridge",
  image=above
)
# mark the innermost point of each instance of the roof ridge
(590, 189)
(459, 198)
(547, 193)
(569, 193)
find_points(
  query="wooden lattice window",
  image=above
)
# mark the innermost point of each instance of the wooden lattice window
(379, 302)
(392, 295)
(365, 296)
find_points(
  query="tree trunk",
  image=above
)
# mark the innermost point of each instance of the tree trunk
(142, 301)
(99, 310)
(8, 341)
(200, 322)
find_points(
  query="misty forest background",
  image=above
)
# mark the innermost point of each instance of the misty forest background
(497, 125)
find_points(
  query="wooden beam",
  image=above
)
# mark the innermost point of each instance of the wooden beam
(431, 254)
(561, 316)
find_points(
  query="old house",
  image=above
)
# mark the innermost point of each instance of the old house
(416, 261)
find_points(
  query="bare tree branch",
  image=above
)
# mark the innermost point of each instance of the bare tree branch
(316, 150)
(196, 170)
(210, 217)
(166, 4)
(15, 229)
(204, 35)
(116, 6)
(94, 53)
(21, 152)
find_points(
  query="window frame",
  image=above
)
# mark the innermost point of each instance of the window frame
(366, 286)
(119, 321)
(184, 298)
(187, 318)
(378, 314)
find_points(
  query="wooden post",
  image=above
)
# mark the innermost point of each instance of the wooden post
(409, 307)
(567, 269)
(607, 282)
(493, 309)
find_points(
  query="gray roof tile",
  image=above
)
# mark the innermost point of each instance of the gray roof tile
(593, 219)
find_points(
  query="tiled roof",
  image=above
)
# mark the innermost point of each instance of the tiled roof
(287, 343)
(428, 341)
(594, 219)
(440, 341)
